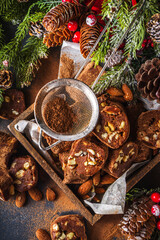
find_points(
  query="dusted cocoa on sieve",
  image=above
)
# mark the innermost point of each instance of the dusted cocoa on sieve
(59, 116)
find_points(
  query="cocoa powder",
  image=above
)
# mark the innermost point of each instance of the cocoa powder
(67, 67)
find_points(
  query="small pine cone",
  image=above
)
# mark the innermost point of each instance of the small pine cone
(153, 27)
(138, 222)
(55, 38)
(61, 14)
(115, 59)
(5, 79)
(88, 37)
(37, 30)
(148, 79)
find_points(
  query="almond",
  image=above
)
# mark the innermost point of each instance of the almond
(35, 194)
(42, 234)
(20, 199)
(107, 179)
(85, 187)
(50, 194)
(128, 95)
(100, 190)
(114, 92)
(96, 179)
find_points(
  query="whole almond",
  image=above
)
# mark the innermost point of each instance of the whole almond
(100, 190)
(128, 95)
(115, 92)
(85, 187)
(50, 194)
(35, 194)
(107, 179)
(96, 178)
(42, 234)
(20, 199)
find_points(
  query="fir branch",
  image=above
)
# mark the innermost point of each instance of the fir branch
(5, 5)
(138, 192)
(28, 60)
(1, 96)
(1, 36)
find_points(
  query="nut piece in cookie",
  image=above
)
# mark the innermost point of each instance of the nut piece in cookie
(144, 153)
(13, 104)
(69, 227)
(85, 159)
(113, 126)
(149, 128)
(121, 159)
(24, 173)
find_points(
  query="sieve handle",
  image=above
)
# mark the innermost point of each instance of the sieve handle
(41, 146)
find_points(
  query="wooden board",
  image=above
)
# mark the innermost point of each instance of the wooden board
(90, 216)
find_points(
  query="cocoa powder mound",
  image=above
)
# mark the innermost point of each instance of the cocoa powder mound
(66, 67)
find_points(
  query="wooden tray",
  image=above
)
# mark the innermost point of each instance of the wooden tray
(90, 216)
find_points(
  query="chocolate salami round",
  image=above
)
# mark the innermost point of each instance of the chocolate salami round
(24, 173)
(113, 126)
(149, 128)
(121, 159)
(85, 159)
(68, 227)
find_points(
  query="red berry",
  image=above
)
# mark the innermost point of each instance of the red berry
(67, 1)
(91, 20)
(158, 225)
(72, 26)
(76, 37)
(155, 210)
(143, 45)
(155, 197)
(152, 44)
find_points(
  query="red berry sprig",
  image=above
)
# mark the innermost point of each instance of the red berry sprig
(156, 208)
(158, 225)
(91, 20)
(72, 26)
(155, 197)
(67, 1)
(76, 37)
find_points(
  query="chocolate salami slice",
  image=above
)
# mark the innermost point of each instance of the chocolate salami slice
(68, 227)
(121, 159)
(13, 104)
(113, 126)
(24, 173)
(144, 153)
(86, 158)
(149, 128)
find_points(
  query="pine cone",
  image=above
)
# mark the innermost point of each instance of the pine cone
(88, 37)
(5, 79)
(61, 14)
(36, 30)
(138, 222)
(153, 27)
(55, 38)
(148, 78)
(115, 59)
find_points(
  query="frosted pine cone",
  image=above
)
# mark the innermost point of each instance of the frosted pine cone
(138, 222)
(88, 37)
(115, 59)
(148, 79)
(5, 79)
(36, 29)
(61, 14)
(153, 27)
(55, 38)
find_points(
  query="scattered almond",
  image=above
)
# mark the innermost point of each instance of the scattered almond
(96, 178)
(100, 190)
(115, 92)
(50, 194)
(128, 95)
(20, 199)
(42, 234)
(107, 179)
(35, 194)
(85, 187)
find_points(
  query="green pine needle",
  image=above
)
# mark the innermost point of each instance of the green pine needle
(1, 96)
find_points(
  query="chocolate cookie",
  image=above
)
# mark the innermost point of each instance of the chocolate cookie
(8, 146)
(24, 173)
(121, 159)
(13, 104)
(113, 126)
(86, 157)
(149, 128)
(144, 153)
(61, 147)
(68, 227)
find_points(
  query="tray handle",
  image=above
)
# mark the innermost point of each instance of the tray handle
(41, 146)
